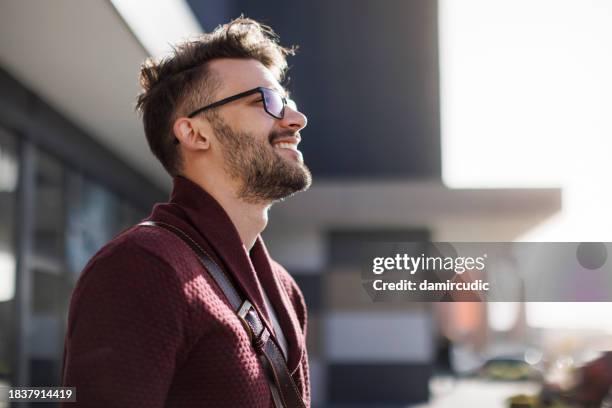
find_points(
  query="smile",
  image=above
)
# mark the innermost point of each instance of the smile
(290, 145)
(284, 145)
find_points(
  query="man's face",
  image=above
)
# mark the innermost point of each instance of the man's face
(259, 151)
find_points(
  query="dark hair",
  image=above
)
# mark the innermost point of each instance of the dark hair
(182, 82)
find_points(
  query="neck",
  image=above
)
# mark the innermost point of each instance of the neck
(249, 219)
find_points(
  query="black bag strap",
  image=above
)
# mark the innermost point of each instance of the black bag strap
(284, 391)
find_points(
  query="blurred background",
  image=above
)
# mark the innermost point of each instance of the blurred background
(471, 120)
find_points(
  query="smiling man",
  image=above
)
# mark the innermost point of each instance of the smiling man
(187, 309)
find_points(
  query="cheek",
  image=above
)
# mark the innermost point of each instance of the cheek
(253, 121)
(257, 122)
(262, 135)
(259, 140)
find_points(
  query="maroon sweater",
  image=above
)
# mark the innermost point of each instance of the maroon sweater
(148, 326)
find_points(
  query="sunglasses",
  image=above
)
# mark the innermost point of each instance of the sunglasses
(274, 102)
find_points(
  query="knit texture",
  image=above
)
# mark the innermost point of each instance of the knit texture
(148, 326)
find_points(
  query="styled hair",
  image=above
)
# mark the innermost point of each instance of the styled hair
(182, 82)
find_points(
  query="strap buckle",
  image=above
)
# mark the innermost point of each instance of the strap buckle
(258, 340)
(242, 312)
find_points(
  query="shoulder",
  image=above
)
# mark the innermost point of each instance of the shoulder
(128, 290)
(140, 258)
(141, 244)
(135, 245)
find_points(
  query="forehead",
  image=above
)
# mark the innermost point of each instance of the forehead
(239, 75)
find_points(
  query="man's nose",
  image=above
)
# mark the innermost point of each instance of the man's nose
(294, 119)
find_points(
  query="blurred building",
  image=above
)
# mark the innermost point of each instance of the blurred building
(75, 170)
(64, 192)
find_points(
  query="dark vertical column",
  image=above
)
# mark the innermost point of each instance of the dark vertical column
(376, 354)
(366, 75)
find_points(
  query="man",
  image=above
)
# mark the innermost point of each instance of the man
(149, 326)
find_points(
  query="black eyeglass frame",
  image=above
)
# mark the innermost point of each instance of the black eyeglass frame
(244, 94)
(260, 89)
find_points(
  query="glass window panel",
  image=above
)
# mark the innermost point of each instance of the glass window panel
(49, 208)
(94, 217)
(49, 294)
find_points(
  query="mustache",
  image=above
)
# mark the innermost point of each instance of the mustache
(277, 135)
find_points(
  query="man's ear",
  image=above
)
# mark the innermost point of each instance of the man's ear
(192, 134)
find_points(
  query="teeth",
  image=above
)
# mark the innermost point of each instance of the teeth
(286, 146)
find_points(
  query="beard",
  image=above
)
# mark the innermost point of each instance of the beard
(265, 176)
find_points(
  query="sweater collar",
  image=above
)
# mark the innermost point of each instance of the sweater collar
(250, 271)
